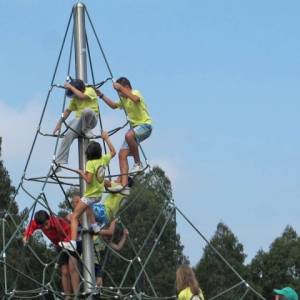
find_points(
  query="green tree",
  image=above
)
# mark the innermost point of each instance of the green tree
(19, 263)
(278, 267)
(150, 199)
(213, 275)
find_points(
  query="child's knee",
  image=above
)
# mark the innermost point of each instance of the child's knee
(129, 136)
(64, 270)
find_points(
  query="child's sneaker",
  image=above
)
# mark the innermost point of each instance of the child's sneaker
(137, 168)
(116, 188)
(95, 228)
(126, 191)
(88, 134)
(71, 245)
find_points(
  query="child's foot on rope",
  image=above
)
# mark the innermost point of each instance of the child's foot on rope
(137, 168)
(95, 228)
(119, 189)
(125, 191)
(71, 245)
(116, 188)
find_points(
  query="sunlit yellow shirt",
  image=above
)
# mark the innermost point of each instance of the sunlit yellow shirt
(137, 112)
(79, 105)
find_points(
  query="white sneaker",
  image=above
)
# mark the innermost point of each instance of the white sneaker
(137, 168)
(126, 191)
(95, 227)
(116, 188)
(88, 134)
(71, 245)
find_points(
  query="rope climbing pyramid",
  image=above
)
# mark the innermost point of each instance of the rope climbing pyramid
(130, 263)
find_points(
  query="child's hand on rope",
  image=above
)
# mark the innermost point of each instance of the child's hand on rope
(80, 172)
(117, 86)
(57, 127)
(98, 93)
(68, 86)
(126, 232)
(105, 135)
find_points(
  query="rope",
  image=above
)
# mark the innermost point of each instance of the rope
(167, 211)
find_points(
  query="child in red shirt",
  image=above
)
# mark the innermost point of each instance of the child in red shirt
(57, 229)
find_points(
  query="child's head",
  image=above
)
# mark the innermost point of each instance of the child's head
(75, 197)
(78, 84)
(42, 218)
(124, 82)
(185, 277)
(286, 293)
(93, 151)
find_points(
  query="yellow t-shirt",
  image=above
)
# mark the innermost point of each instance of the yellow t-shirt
(187, 294)
(112, 204)
(78, 105)
(95, 188)
(137, 112)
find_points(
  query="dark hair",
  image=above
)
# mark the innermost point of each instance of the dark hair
(41, 217)
(74, 192)
(78, 84)
(93, 151)
(130, 181)
(124, 81)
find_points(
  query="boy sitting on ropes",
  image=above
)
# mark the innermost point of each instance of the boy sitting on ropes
(85, 105)
(57, 229)
(138, 116)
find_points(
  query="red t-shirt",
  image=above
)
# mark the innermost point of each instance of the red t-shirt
(59, 230)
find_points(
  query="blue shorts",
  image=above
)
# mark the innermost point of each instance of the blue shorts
(100, 214)
(98, 271)
(141, 133)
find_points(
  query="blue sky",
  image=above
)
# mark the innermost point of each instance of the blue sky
(221, 79)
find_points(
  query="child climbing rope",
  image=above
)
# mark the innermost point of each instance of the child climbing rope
(85, 105)
(94, 189)
(135, 107)
(100, 246)
(57, 229)
(187, 285)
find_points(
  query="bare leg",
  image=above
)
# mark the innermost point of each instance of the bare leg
(123, 154)
(73, 269)
(79, 209)
(99, 281)
(90, 215)
(133, 146)
(65, 279)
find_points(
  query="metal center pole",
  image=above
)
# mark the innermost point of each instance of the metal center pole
(81, 73)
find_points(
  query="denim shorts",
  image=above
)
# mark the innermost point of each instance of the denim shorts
(141, 133)
(98, 271)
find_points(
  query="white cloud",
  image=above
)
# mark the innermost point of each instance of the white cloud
(18, 128)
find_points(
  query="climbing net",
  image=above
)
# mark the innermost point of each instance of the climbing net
(18, 264)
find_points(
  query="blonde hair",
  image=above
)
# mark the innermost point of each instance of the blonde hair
(185, 277)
